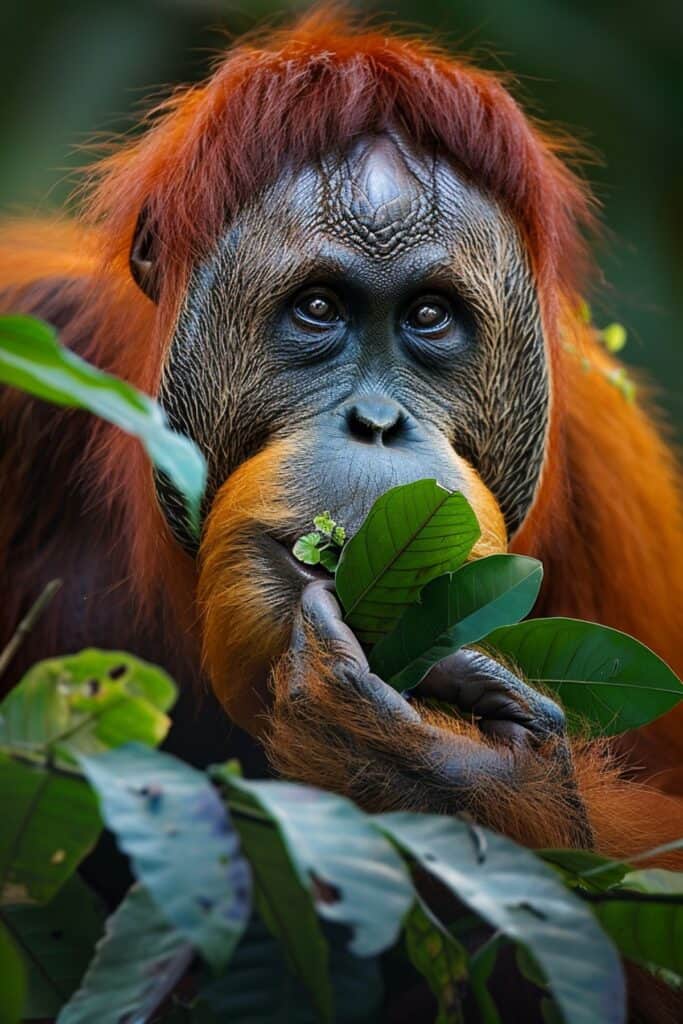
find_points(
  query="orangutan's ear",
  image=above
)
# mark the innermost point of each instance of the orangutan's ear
(144, 257)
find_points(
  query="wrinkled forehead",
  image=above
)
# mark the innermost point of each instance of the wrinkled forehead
(391, 205)
(384, 197)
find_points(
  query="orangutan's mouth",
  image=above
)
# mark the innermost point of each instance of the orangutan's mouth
(281, 553)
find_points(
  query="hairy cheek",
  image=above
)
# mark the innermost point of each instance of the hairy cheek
(493, 539)
(246, 607)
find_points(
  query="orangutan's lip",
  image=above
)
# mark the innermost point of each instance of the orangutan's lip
(281, 553)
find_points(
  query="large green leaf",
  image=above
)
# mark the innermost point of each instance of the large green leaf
(455, 610)
(519, 896)
(56, 942)
(604, 678)
(12, 979)
(411, 534)
(354, 875)
(32, 359)
(50, 820)
(138, 961)
(85, 703)
(644, 917)
(285, 901)
(439, 957)
(171, 822)
(258, 986)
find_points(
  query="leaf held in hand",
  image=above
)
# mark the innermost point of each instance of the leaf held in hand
(455, 610)
(605, 678)
(412, 534)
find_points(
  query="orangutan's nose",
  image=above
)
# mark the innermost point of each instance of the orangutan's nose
(375, 419)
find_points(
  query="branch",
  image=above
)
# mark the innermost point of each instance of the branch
(27, 623)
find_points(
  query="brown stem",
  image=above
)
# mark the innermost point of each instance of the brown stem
(27, 623)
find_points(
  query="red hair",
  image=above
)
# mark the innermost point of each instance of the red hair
(280, 100)
(277, 102)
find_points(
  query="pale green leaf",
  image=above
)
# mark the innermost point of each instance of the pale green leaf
(171, 822)
(307, 548)
(86, 703)
(138, 961)
(355, 876)
(32, 359)
(515, 893)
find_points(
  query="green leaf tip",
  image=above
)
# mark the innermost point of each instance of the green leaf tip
(33, 360)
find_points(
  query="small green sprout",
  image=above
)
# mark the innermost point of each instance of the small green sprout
(323, 546)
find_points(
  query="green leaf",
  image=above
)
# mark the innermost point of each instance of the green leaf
(50, 821)
(285, 903)
(259, 987)
(481, 967)
(32, 359)
(439, 958)
(86, 703)
(355, 876)
(329, 557)
(307, 548)
(138, 962)
(514, 892)
(644, 918)
(585, 869)
(455, 610)
(172, 824)
(655, 880)
(13, 981)
(412, 534)
(57, 943)
(603, 677)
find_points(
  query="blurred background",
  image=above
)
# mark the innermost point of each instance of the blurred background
(609, 71)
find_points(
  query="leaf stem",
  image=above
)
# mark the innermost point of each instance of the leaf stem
(27, 623)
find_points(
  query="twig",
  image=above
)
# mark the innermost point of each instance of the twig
(27, 623)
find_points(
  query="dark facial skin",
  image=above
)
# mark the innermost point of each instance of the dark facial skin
(382, 306)
(378, 310)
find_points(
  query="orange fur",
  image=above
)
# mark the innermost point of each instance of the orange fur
(607, 516)
(326, 734)
(76, 494)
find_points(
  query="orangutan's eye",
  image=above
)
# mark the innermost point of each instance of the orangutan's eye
(429, 315)
(317, 308)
